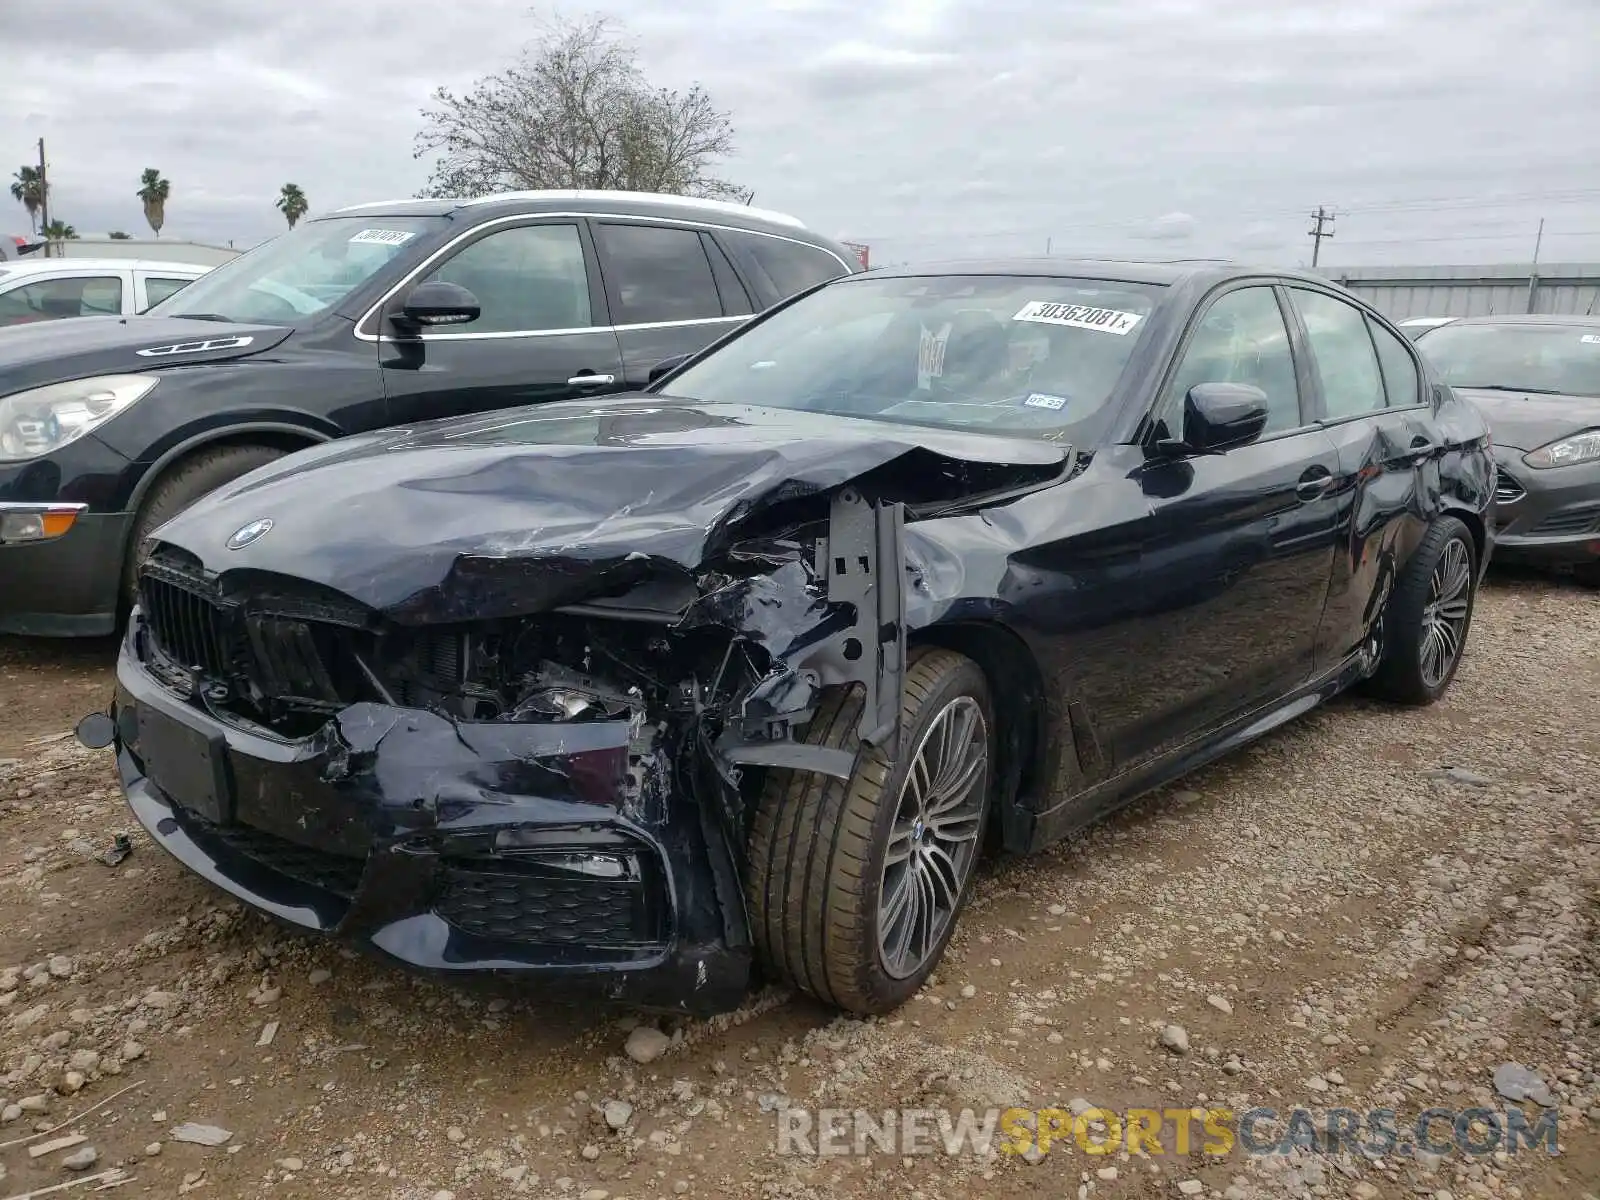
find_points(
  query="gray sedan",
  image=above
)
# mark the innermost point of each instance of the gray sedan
(1537, 381)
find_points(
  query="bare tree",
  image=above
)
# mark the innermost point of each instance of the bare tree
(576, 112)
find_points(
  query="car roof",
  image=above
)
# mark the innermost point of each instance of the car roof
(34, 266)
(1576, 320)
(1163, 272)
(598, 202)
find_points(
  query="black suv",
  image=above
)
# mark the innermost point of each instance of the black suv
(377, 315)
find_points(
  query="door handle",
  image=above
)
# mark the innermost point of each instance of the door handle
(1422, 448)
(1313, 484)
(590, 380)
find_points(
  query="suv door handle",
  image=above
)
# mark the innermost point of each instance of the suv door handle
(590, 380)
(1315, 482)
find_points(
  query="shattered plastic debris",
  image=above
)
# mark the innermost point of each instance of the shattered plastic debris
(121, 847)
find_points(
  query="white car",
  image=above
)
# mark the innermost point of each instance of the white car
(51, 288)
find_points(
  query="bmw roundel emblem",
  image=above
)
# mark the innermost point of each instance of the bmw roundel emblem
(247, 534)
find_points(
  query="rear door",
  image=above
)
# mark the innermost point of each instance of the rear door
(543, 332)
(670, 288)
(1238, 548)
(1371, 400)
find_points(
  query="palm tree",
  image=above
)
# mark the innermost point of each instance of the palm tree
(292, 203)
(28, 190)
(59, 231)
(153, 191)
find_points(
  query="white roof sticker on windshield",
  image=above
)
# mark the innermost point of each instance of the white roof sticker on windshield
(383, 237)
(1593, 338)
(1078, 316)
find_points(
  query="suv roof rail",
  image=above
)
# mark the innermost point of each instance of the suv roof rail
(582, 194)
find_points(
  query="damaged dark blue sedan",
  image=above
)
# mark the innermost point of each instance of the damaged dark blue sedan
(741, 675)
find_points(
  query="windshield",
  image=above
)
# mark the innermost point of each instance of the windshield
(993, 354)
(299, 274)
(1558, 359)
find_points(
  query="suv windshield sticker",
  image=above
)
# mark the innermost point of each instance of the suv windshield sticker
(383, 237)
(1078, 316)
(930, 356)
(1042, 400)
(1591, 339)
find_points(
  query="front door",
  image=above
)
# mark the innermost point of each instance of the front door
(542, 333)
(1238, 547)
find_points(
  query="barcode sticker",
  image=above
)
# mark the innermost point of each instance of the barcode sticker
(383, 237)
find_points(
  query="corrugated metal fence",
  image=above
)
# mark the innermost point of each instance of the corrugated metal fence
(1401, 292)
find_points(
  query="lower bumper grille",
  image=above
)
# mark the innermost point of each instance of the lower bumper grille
(1572, 521)
(549, 907)
(1507, 490)
(315, 868)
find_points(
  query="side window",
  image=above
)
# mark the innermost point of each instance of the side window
(527, 279)
(48, 299)
(735, 300)
(657, 273)
(157, 289)
(1240, 339)
(790, 266)
(1342, 347)
(1400, 378)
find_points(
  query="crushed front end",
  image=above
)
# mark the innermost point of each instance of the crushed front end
(559, 793)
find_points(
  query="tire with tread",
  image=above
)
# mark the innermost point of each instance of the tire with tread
(1399, 674)
(817, 845)
(181, 486)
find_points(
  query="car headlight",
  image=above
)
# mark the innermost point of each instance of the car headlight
(43, 419)
(1568, 452)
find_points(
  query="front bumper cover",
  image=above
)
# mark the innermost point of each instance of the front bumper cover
(448, 846)
(1549, 517)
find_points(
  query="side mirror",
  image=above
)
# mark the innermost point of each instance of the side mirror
(436, 303)
(1219, 417)
(667, 365)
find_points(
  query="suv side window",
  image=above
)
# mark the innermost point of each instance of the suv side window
(49, 299)
(657, 273)
(527, 279)
(1400, 377)
(1346, 363)
(788, 267)
(157, 288)
(1241, 339)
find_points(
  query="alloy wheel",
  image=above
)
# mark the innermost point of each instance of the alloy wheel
(934, 840)
(1444, 617)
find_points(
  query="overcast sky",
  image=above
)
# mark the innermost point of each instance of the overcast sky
(1438, 130)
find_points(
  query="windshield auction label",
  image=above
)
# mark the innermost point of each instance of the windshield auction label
(1078, 316)
(382, 237)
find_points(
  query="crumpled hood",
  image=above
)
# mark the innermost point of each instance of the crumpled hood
(46, 352)
(555, 495)
(1525, 421)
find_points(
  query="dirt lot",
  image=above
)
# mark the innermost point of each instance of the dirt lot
(1330, 918)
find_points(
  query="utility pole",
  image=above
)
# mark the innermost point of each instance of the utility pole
(44, 198)
(1533, 273)
(1322, 229)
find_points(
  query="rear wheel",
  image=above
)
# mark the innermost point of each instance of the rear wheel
(180, 487)
(855, 885)
(1426, 620)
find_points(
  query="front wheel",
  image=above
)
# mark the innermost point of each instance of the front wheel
(1427, 617)
(855, 885)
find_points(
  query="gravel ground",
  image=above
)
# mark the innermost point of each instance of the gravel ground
(1371, 908)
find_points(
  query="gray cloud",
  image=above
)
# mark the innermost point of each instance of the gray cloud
(925, 127)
